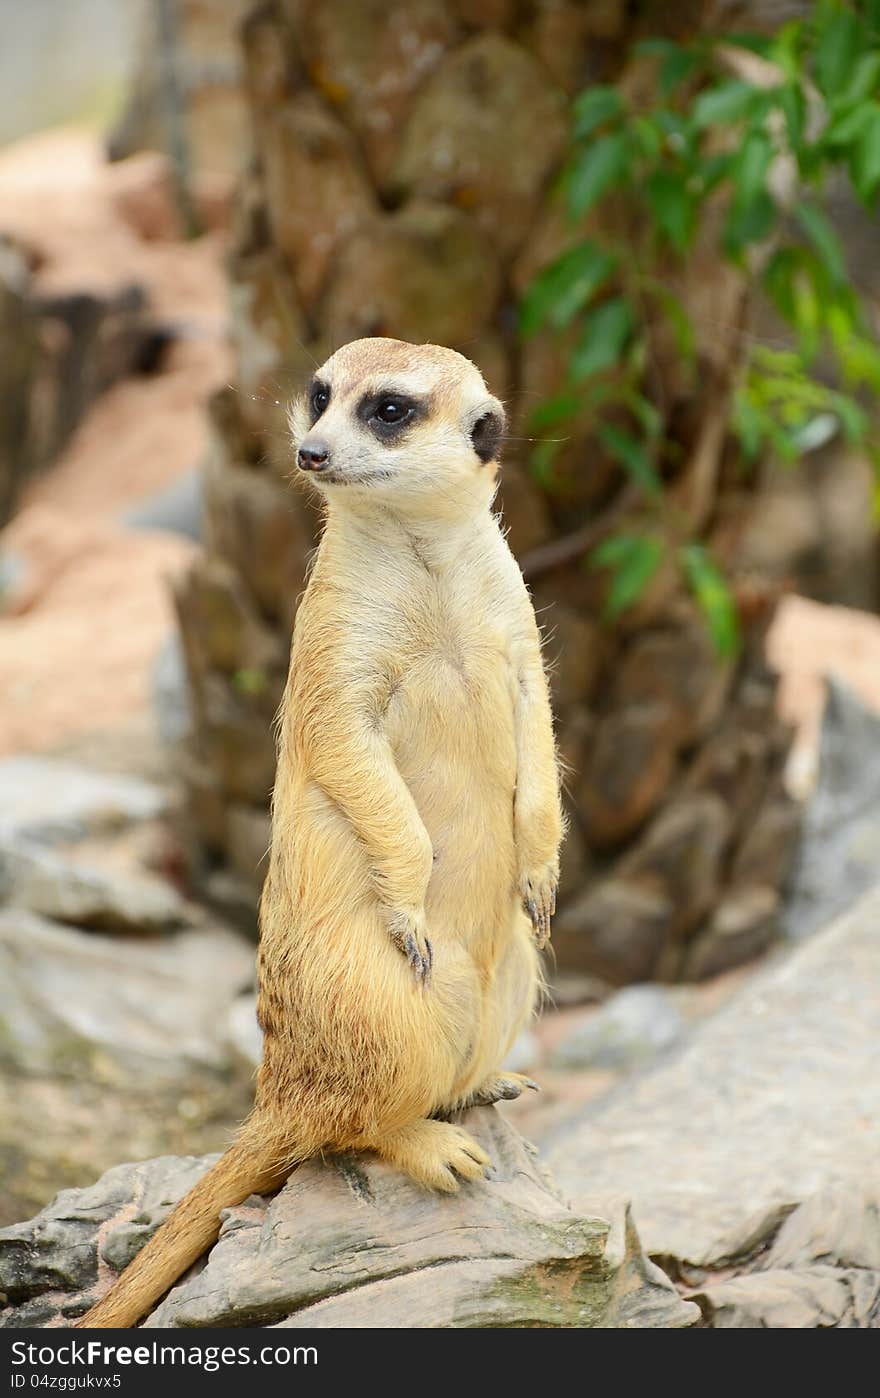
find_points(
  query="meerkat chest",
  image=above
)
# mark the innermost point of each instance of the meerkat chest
(456, 656)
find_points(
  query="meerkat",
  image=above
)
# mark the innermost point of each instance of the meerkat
(416, 812)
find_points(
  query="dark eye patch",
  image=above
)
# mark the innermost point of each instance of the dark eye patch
(319, 398)
(486, 435)
(389, 413)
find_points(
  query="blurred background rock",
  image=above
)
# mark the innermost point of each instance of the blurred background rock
(197, 202)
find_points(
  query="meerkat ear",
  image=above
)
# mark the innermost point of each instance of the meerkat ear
(487, 432)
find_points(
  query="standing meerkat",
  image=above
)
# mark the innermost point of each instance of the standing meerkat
(416, 813)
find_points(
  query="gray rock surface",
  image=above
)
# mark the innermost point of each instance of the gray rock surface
(817, 1266)
(350, 1242)
(773, 1099)
(61, 888)
(75, 1003)
(632, 1027)
(839, 853)
(46, 799)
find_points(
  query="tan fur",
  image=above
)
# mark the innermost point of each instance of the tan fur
(416, 797)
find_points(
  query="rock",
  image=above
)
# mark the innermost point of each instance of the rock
(144, 197)
(176, 509)
(248, 834)
(524, 1052)
(349, 1242)
(628, 771)
(615, 930)
(244, 1032)
(680, 669)
(633, 1027)
(766, 851)
(256, 524)
(45, 799)
(218, 617)
(170, 692)
(19, 360)
(815, 1267)
(58, 887)
(839, 853)
(743, 925)
(771, 1099)
(574, 647)
(75, 1004)
(680, 856)
(807, 643)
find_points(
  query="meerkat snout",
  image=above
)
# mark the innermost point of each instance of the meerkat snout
(313, 455)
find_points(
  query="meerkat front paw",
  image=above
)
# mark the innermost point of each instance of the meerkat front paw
(407, 929)
(538, 892)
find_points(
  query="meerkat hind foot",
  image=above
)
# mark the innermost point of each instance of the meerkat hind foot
(501, 1087)
(435, 1153)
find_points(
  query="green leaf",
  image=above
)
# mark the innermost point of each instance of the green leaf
(542, 460)
(672, 206)
(824, 239)
(555, 410)
(864, 80)
(603, 338)
(713, 597)
(594, 107)
(632, 456)
(727, 102)
(755, 43)
(633, 560)
(748, 425)
(750, 168)
(593, 173)
(865, 161)
(250, 681)
(839, 42)
(852, 417)
(647, 136)
(748, 224)
(794, 109)
(678, 64)
(680, 321)
(847, 126)
(564, 288)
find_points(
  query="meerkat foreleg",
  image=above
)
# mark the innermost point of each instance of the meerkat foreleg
(356, 769)
(538, 820)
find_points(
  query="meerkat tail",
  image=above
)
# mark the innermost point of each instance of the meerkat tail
(257, 1163)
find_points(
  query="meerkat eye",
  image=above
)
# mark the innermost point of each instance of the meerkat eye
(392, 411)
(318, 400)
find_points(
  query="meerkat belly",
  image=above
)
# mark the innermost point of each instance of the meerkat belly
(451, 728)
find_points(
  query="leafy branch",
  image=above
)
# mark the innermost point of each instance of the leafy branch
(729, 115)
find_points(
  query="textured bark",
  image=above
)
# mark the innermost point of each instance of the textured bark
(403, 157)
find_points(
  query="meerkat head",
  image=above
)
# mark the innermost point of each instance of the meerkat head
(412, 427)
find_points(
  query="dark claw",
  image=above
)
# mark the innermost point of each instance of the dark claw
(421, 965)
(529, 1082)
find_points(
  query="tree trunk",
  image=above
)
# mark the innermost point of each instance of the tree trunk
(403, 154)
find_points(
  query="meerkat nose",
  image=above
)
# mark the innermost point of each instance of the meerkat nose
(313, 456)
